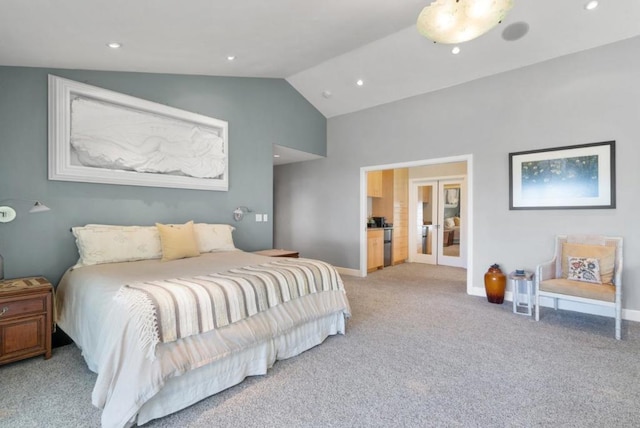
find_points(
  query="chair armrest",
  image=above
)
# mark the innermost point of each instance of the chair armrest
(546, 270)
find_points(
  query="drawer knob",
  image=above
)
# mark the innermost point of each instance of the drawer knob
(4, 310)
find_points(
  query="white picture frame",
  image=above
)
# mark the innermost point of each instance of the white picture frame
(101, 136)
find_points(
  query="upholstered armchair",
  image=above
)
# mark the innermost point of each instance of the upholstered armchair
(584, 269)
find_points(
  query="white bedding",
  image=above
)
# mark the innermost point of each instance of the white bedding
(130, 388)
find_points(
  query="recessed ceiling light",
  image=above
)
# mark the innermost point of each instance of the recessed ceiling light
(114, 45)
(591, 5)
(231, 57)
(359, 82)
(276, 156)
(455, 50)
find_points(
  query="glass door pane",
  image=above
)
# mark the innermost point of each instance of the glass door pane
(425, 226)
(451, 220)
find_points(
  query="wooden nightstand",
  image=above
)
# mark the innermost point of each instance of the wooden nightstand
(278, 253)
(26, 318)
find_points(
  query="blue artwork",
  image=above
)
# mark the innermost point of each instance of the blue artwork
(574, 177)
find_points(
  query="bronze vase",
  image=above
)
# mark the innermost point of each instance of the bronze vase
(495, 283)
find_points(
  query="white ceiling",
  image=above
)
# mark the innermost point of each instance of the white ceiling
(316, 46)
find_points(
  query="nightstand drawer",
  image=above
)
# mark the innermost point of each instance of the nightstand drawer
(23, 307)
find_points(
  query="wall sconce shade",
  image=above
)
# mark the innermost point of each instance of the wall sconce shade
(39, 207)
(238, 213)
(8, 214)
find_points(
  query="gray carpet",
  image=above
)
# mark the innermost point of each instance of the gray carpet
(418, 352)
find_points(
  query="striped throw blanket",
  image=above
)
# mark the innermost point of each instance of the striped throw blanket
(171, 309)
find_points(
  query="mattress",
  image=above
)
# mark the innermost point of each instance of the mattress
(131, 388)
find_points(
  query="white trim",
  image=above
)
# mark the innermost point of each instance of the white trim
(468, 158)
(61, 94)
(348, 272)
(566, 305)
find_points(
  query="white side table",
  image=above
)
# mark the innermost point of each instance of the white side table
(522, 303)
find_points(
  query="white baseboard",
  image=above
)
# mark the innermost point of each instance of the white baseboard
(547, 302)
(349, 272)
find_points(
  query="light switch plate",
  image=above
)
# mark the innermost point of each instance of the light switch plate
(265, 217)
(258, 217)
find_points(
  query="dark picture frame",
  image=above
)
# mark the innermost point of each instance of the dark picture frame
(569, 177)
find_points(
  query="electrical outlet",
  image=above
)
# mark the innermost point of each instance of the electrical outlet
(265, 217)
(258, 217)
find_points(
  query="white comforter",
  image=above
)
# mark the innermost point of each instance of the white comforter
(127, 379)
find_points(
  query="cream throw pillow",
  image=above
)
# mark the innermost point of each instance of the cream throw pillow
(98, 243)
(606, 256)
(214, 237)
(178, 241)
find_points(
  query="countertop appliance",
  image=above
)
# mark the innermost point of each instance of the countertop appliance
(388, 236)
(379, 221)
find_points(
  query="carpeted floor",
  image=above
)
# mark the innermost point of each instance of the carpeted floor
(418, 352)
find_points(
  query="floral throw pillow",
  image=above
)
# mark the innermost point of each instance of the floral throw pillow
(584, 269)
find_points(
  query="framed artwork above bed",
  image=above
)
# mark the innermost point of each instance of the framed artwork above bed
(101, 136)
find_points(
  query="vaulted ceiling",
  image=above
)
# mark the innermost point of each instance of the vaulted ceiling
(321, 48)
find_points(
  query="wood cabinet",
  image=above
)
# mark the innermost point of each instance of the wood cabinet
(375, 249)
(374, 184)
(400, 244)
(394, 206)
(26, 318)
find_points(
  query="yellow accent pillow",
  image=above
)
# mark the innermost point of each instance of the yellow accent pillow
(178, 241)
(456, 221)
(606, 257)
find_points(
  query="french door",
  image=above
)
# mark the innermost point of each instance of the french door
(437, 221)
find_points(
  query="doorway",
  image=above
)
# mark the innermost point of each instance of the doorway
(468, 206)
(437, 218)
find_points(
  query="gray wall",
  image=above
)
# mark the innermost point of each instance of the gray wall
(260, 112)
(587, 97)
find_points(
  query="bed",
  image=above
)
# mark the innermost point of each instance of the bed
(140, 380)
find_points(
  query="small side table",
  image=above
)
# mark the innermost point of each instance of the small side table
(524, 306)
(26, 318)
(278, 253)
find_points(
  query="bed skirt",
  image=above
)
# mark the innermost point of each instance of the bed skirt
(254, 361)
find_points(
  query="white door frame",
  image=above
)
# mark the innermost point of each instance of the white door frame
(437, 251)
(363, 207)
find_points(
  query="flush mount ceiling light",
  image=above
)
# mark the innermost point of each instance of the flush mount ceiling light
(231, 58)
(114, 45)
(359, 82)
(457, 21)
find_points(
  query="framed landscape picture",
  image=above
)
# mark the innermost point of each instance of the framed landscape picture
(569, 177)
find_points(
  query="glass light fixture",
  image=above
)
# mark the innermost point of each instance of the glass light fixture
(238, 213)
(457, 21)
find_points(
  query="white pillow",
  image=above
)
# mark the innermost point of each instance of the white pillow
(111, 244)
(214, 237)
(449, 223)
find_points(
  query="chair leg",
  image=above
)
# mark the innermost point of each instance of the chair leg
(555, 304)
(618, 323)
(537, 307)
